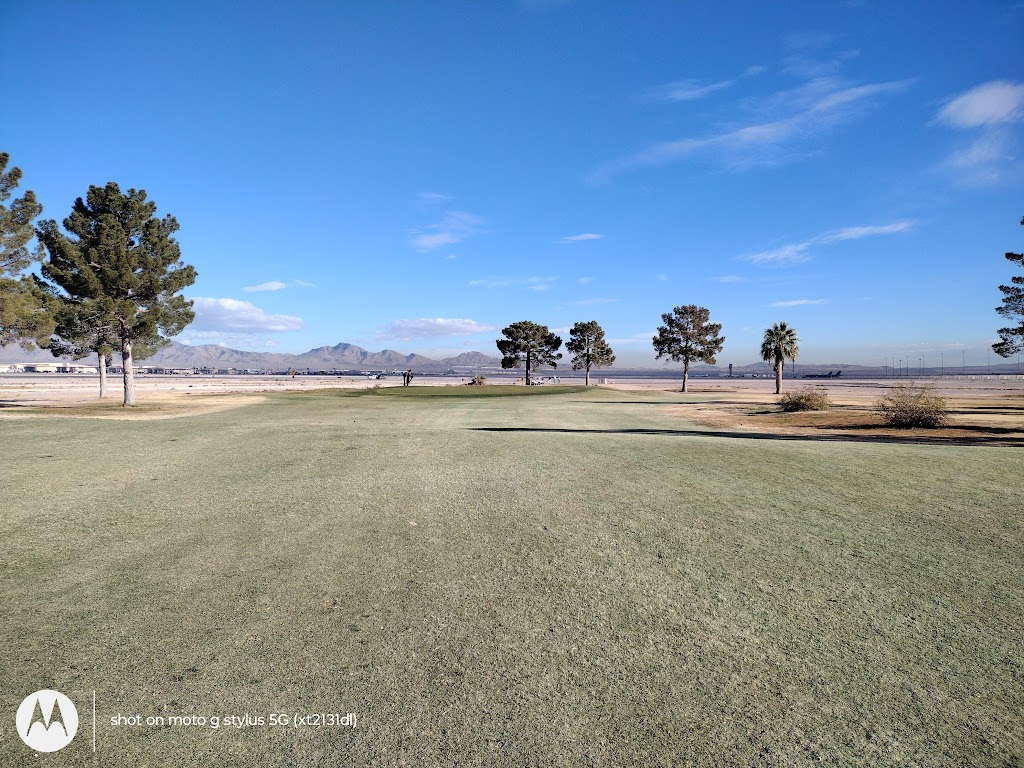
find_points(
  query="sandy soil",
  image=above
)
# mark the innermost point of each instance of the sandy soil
(985, 410)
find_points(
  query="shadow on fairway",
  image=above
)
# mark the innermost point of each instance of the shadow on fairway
(988, 440)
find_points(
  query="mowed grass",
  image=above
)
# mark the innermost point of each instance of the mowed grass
(554, 577)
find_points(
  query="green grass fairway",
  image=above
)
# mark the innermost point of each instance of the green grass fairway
(509, 577)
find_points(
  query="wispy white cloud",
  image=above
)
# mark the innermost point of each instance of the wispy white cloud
(428, 327)
(636, 338)
(277, 285)
(796, 302)
(994, 103)
(782, 122)
(533, 283)
(234, 340)
(793, 253)
(454, 227)
(661, 276)
(273, 285)
(856, 233)
(991, 110)
(579, 238)
(689, 90)
(234, 315)
(591, 302)
(729, 279)
(433, 198)
(985, 161)
(585, 280)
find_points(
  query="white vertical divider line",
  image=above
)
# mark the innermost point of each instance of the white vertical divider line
(94, 721)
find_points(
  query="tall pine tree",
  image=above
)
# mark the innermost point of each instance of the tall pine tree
(531, 344)
(119, 273)
(689, 336)
(24, 315)
(1011, 339)
(588, 348)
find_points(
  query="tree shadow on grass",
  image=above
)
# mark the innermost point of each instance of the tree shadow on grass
(992, 436)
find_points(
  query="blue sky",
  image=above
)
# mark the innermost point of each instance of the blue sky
(417, 175)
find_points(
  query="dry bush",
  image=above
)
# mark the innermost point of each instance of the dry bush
(476, 381)
(807, 399)
(909, 405)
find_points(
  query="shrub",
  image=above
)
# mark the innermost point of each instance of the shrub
(807, 399)
(477, 381)
(909, 405)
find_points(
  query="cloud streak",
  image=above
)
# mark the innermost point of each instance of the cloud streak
(454, 227)
(579, 238)
(794, 253)
(690, 90)
(234, 315)
(994, 103)
(796, 302)
(431, 327)
(592, 302)
(803, 113)
(990, 110)
(533, 283)
(277, 285)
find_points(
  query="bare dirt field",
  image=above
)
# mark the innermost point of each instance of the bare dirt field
(170, 394)
(983, 409)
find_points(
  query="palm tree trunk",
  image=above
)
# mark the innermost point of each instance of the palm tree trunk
(778, 378)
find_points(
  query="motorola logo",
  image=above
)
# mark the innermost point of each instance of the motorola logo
(47, 721)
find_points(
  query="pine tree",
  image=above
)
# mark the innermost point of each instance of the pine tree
(529, 343)
(588, 347)
(688, 336)
(119, 273)
(24, 315)
(1012, 339)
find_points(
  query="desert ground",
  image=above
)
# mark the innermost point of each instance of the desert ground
(983, 409)
(503, 575)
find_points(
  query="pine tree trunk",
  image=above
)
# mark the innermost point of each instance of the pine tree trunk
(528, 361)
(588, 376)
(778, 378)
(129, 372)
(686, 374)
(103, 374)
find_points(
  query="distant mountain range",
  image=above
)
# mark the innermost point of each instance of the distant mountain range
(341, 356)
(347, 357)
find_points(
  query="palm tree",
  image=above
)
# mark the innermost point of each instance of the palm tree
(780, 344)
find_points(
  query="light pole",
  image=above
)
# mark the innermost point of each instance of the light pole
(942, 363)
